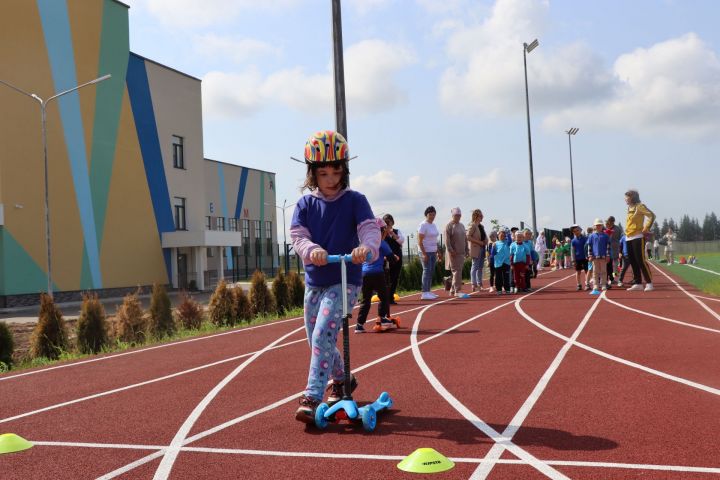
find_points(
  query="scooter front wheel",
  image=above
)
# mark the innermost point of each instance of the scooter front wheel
(320, 421)
(369, 419)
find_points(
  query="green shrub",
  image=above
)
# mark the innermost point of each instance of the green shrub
(130, 323)
(92, 325)
(261, 300)
(50, 338)
(161, 319)
(296, 286)
(189, 312)
(221, 308)
(7, 346)
(241, 302)
(281, 292)
(411, 275)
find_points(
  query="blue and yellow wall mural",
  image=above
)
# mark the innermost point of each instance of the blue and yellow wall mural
(108, 199)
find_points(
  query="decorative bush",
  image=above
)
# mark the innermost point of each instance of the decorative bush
(92, 325)
(281, 292)
(161, 319)
(296, 288)
(130, 324)
(50, 338)
(243, 310)
(261, 300)
(7, 346)
(221, 308)
(189, 312)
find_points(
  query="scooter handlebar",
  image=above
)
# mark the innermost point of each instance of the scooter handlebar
(347, 258)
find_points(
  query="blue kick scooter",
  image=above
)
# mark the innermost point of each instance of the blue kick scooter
(347, 409)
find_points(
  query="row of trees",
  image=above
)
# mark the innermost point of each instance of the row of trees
(131, 325)
(690, 230)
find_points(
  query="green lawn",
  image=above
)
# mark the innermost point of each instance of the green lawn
(707, 282)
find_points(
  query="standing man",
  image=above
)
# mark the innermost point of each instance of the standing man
(456, 251)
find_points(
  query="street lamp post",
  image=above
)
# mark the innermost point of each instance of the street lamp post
(527, 48)
(572, 131)
(43, 108)
(283, 208)
(339, 70)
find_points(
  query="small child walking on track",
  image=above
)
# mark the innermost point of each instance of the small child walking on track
(374, 282)
(599, 253)
(334, 219)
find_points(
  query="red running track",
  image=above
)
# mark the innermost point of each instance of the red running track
(554, 384)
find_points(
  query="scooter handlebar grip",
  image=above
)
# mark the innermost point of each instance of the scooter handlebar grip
(348, 258)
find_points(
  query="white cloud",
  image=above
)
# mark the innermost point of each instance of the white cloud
(370, 69)
(486, 72)
(672, 88)
(553, 183)
(238, 50)
(407, 198)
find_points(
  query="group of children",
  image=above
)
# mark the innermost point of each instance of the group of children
(513, 261)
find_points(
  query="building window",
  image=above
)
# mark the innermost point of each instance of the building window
(220, 222)
(245, 228)
(180, 214)
(268, 230)
(208, 223)
(178, 154)
(232, 225)
(256, 224)
(210, 251)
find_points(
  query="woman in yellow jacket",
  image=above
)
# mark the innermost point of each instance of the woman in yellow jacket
(639, 220)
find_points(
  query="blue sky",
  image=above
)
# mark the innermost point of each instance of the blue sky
(435, 98)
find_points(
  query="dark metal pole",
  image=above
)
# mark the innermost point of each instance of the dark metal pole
(47, 202)
(338, 70)
(572, 183)
(532, 178)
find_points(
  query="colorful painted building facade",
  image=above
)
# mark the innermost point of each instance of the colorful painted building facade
(130, 192)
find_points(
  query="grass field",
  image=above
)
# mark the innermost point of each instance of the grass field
(705, 281)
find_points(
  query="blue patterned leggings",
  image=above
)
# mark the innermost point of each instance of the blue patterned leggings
(323, 320)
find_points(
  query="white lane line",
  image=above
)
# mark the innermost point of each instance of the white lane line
(703, 269)
(659, 317)
(159, 379)
(392, 458)
(113, 356)
(482, 472)
(294, 396)
(170, 455)
(714, 314)
(285, 400)
(140, 384)
(620, 360)
(476, 421)
(707, 298)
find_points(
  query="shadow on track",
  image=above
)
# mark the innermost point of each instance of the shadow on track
(461, 432)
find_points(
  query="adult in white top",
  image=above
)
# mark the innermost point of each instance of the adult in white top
(427, 243)
(670, 237)
(541, 248)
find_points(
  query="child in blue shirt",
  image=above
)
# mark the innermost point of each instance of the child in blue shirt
(519, 260)
(578, 254)
(501, 259)
(334, 219)
(599, 248)
(491, 259)
(374, 281)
